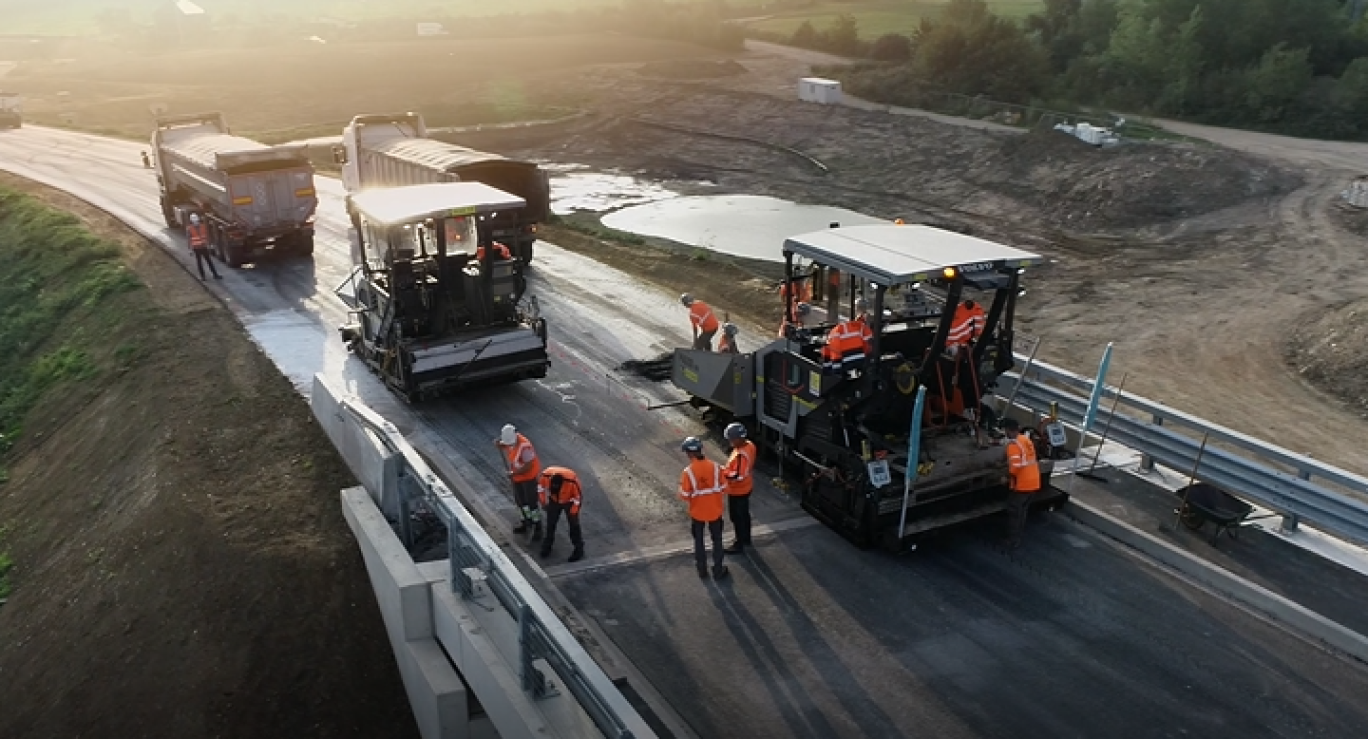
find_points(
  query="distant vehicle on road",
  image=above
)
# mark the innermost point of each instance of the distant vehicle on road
(257, 199)
(11, 110)
(393, 149)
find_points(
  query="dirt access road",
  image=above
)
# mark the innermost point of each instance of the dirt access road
(1199, 261)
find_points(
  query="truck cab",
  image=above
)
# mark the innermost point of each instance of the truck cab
(436, 307)
(940, 317)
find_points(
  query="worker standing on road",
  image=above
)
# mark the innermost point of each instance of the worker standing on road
(523, 469)
(1023, 479)
(738, 481)
(703, 321)
(727, 344)
(198, 235)
(700, 484)
(558, 491)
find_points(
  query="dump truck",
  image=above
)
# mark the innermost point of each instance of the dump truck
(849, 431)
(256, 199)
(11, 110)
(434, 305)
(389, 150)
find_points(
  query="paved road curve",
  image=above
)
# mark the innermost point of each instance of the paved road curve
(813, 638)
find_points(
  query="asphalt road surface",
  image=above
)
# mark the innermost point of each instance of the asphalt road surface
(812, 638)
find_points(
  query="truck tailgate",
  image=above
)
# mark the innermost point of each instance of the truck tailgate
(274, 198)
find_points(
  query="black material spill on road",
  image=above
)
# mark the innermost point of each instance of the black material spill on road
(656, 370)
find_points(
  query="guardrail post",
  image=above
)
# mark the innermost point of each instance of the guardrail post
(1147, 461)
(1290, 520)
(533, 681)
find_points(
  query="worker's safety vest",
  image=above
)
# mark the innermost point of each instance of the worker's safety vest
(801, 289)
(701, 316)
(519, 453)
(500, 251)
(198, 234)
(569, 492)
(849, 341)
(701, 485)
(727, 345)
(1023, 472)
(966, 326)
(736, 475)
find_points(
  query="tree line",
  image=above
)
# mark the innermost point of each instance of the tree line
(1291, 66)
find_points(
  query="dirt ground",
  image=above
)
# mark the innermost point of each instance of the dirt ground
(182, 565)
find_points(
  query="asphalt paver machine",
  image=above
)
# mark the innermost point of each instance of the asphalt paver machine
(844, 429)
(435, 308)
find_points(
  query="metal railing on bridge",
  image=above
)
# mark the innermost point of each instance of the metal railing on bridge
(1294, 485)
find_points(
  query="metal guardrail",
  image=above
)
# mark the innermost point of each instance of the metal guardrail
(1294, 485)
(476, 560)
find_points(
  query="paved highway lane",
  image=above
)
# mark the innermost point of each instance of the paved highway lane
(813, 638)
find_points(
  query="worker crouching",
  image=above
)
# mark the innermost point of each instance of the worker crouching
(559, 491)
(702, 321)
(700, 485)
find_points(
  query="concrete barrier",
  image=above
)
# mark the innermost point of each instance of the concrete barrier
(440, 700)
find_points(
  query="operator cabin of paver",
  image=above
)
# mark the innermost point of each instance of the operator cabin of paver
(436, 305)
(846, 426)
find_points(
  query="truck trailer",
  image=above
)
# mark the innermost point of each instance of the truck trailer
(256, 199)
(435, 305)
(11, 110)
(848, 428)
(389, 150)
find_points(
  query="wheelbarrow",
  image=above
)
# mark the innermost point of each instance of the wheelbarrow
(1202, 503)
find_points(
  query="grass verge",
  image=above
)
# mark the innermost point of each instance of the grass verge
(54, 268)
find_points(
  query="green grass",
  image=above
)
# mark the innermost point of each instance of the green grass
(589, 225)
(877, 17)
(54, 268)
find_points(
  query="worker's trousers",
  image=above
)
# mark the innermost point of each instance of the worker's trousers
(700, 553)
(553, 514)
(704, 340)
(738, 510)
(525, 498)
(1018, 505)
(202, 257)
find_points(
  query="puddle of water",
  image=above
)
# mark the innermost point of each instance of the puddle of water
(752, 226)
(573, 190)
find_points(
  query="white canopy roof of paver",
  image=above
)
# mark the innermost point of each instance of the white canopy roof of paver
(892, 254)
(410, 203)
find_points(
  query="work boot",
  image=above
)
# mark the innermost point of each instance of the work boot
(703, 572)
(521, 528)
(537, 531)
(736, 548)
(576, 555)
(720, 573)
(545, 551)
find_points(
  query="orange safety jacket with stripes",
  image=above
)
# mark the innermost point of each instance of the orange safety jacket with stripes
(1023, 472)
(519, 454)
(737, 474)
(700, 484)
(198, 235)
(966, 326)
(701, 316)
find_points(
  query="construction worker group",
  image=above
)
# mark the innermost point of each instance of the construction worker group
(703, 484)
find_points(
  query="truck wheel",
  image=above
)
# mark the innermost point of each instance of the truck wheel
(232, 256)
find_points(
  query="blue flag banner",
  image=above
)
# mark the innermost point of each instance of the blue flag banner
(1098, 385)
(913, 454)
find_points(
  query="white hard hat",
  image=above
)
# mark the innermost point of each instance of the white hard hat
(508, 435)
(686, 299)
(194, 218)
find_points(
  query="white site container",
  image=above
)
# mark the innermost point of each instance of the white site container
(819, 90)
